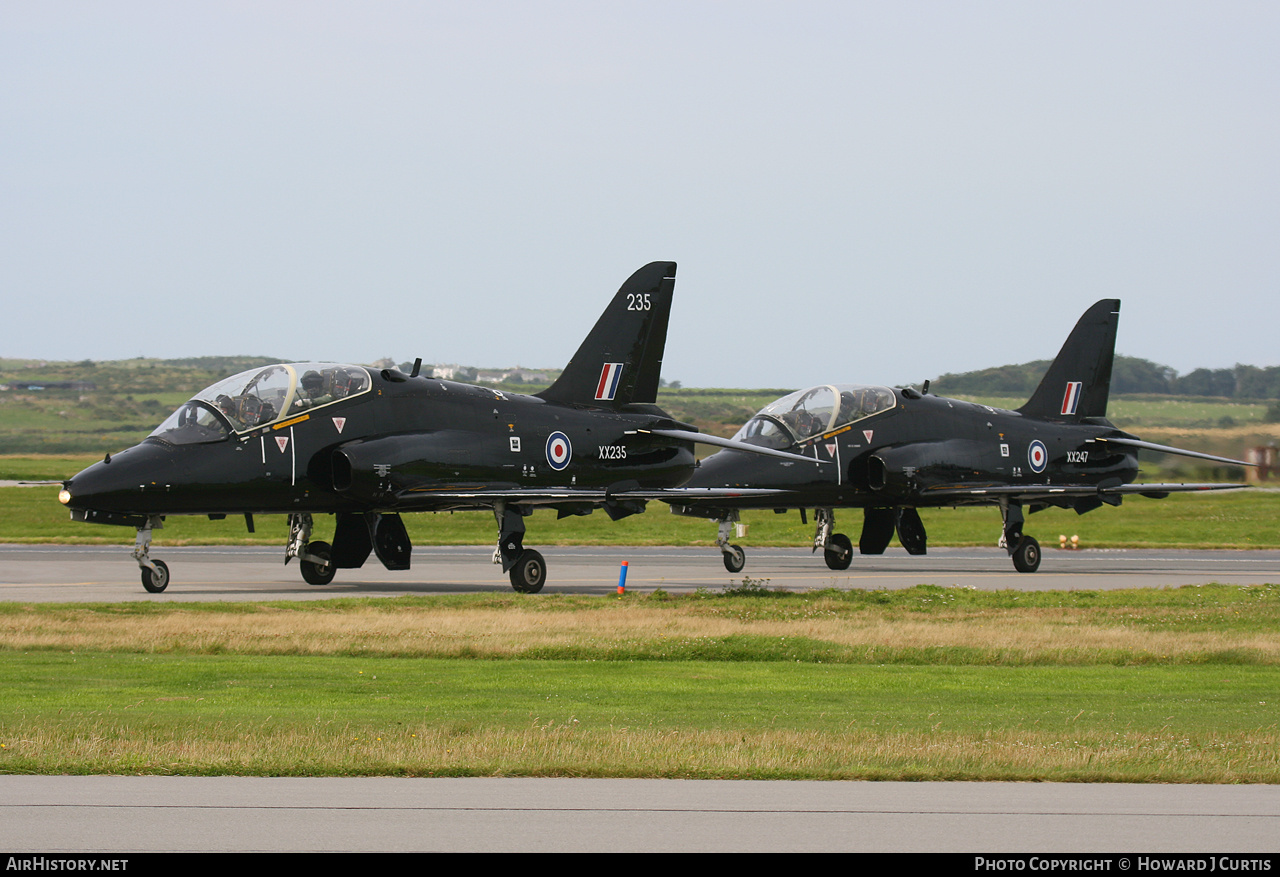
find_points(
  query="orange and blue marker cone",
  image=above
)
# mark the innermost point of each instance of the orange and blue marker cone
(622, 578)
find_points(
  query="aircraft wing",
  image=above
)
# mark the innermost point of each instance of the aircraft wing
(485, 497)
(693, 494)
(1033, 492)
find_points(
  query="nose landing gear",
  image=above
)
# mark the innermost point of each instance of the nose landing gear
(734, 557)
(155, 573)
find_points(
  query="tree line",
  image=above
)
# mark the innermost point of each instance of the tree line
(1129, 374)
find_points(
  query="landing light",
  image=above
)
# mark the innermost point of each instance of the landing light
(64, 496)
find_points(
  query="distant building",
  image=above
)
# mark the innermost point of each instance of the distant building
(528, 376)
(1266, 463)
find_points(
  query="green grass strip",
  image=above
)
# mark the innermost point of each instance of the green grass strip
(96, 713)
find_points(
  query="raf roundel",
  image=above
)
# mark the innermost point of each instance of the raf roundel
(559, 451)
(1037, 456)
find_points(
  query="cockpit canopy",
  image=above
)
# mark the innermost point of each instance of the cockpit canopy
(260, 397)
(817, 410)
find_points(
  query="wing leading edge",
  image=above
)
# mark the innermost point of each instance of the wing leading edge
(1041, 492)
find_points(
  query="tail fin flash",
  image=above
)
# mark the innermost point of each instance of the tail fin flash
(1078, 382)
(620, 362)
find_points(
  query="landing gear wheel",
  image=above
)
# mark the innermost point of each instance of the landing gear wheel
(318, 573)
(1026, 557)
(529, 572)
(839, 552)
(734, 559)
(156, 580)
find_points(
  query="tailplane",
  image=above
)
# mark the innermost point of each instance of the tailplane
(1078, 382)
(620, 362)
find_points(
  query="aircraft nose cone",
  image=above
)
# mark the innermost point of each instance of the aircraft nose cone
(126, 483)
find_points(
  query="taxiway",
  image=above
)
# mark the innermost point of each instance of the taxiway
(41, 573)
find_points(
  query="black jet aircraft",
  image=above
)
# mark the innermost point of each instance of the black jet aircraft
(364, 445)
(893, 451)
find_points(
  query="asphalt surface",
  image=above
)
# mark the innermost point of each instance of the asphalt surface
(82, 573)
(141, 814)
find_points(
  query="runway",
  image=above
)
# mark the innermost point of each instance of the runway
(43, 573)
(110, 815)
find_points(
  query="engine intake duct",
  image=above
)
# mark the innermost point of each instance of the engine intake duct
(374, 470)
(907, 469)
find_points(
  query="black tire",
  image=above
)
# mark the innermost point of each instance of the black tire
(839, 552)
(734, 559)
(156, 580)
(1026, 557)
(318, 573)
(529, 573)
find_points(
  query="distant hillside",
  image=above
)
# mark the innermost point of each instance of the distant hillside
(129, 375)
(1129, 375)
(94, 407)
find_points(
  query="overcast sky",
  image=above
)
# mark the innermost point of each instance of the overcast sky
(854, 192)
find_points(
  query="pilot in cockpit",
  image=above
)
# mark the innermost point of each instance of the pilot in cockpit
(311, 390)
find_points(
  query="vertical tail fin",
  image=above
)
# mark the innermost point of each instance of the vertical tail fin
(620, 362)
(1078, 382)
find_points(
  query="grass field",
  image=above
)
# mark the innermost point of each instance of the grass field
(928, 683)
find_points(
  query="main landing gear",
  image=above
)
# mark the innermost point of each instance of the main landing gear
(355, 537)
(878, 528)
(527, 569)
(315, 559)
(837, 549)
(1024, 549)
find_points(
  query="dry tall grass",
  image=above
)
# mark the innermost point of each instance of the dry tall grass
(1034, 635)
(568, 750)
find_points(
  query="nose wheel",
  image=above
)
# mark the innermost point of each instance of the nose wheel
(156, 577)
(155, 573)
(734, 558)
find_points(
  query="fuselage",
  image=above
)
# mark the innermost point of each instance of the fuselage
(916, 443)
(384, 442)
